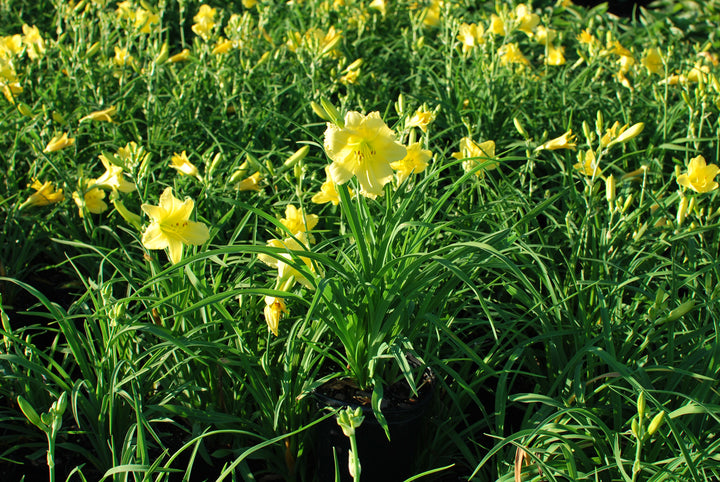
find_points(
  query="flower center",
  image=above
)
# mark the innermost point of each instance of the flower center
(364, 151)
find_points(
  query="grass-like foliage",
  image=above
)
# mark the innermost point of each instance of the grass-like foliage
(210, 213)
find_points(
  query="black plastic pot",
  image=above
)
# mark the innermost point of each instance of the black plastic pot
(381, 460)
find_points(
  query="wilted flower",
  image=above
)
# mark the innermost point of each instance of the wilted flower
(415, 161)
(92, 199)
(182, 164)
(328, 192)
(104, 115)
(274, 309)
(364, 147)
(565, 141)
(699, 177)
(170, 226)
(58, 142)
(44, 194)
(474, 155)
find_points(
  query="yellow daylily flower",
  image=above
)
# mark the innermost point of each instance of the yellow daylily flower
(422, 118)
(44, 195)
(34, 42)
(92, 199)
(474, 155)
(146, 21)
(510, 54)
(60, 141)
(565, 141)
(527, 20)
(328, 192)
(497, 25)
(653, 61)
(122, 57)
(379, 5)
(470, 36)
(296, 221)
(104, 115)
(182, 164)
(587, 164)
(170, 226)
(274, 309)
(222, 46)
(204, 21)
(251, 183)
(415, 161)
(113, 177)
(364, 147)
(555, 55)
(299, 242)
(700, 177)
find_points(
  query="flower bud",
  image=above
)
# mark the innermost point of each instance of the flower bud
(628, 134)
(682, 210)
(24, 109)
(610, 189)
(163, 55)
(92, 50)
(641, 405)
(656, 422)
(521, 130)
(319, 111)
(298, 156)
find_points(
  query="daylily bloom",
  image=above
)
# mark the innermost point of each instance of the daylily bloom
(497, 25)
(60, 141)
(92, 199)
(122, 57)
(297, 243)
(182, 164)
(415, 161)
(170, 226)
(527, 19)
(249, 3)
(431, 17)
(474, 154)
(364, 147)
(204, 21)
(510, 54)
(328, 192)
(145, 20)
(544, 35)
(274, 309)
(470, 36)
(699, 177)
(379, 5)
(565, 141)
(296, 221)
(555, 55)
(653, 61)
(113, 177)
(45, 194)
(101, 115)
(34, 42)
(422, 118)
(587, 164)
(251, 183)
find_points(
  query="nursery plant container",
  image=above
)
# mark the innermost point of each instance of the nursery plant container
(381, 460)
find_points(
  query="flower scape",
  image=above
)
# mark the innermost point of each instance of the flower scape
(213, 214)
